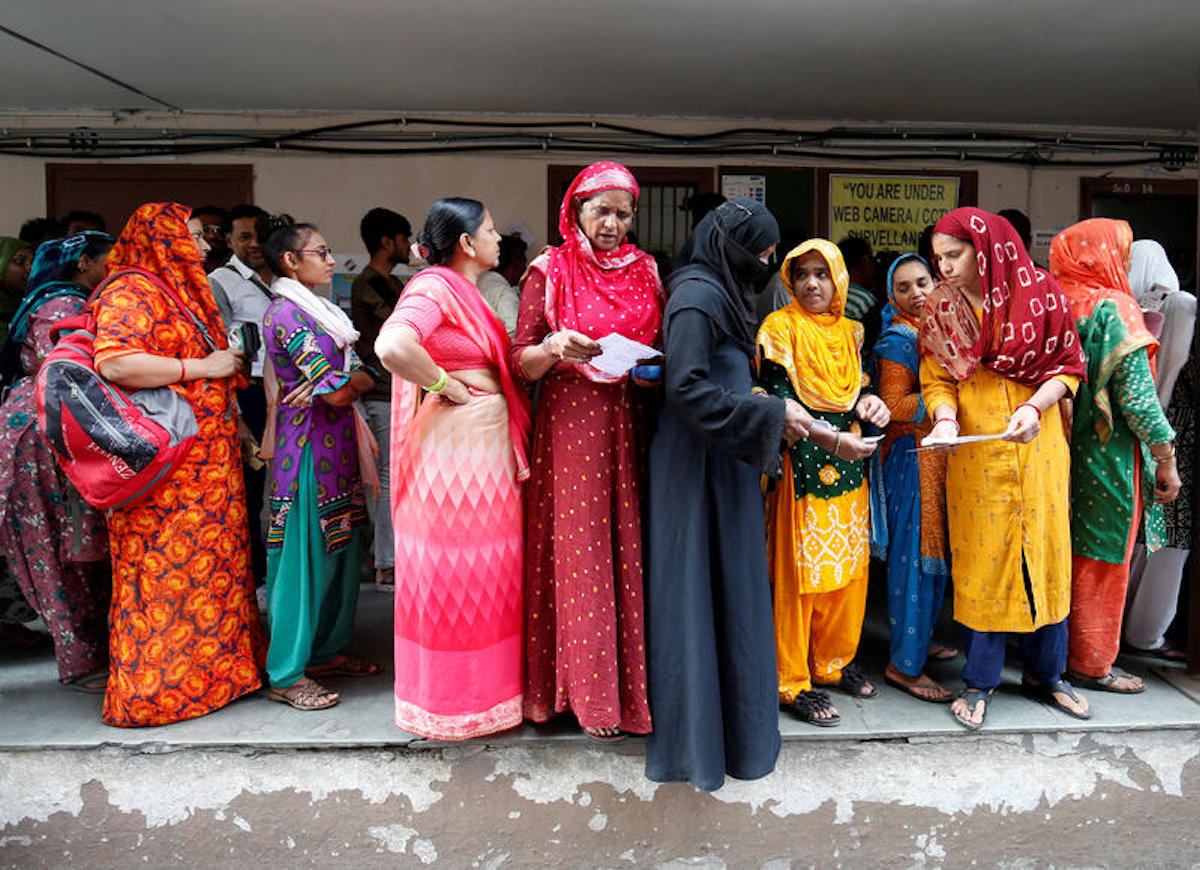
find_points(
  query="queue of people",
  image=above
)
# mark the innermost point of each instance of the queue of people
(678, 551)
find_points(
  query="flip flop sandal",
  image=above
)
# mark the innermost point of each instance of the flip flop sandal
(944, 653)
(1104, 683)
(349, 666)
(806, 705)
(853, 680)
(973, 697)
(1045, 692)
(90, 684)
(1168, 652)
(603, 738)
(911, 690)
(305, 697)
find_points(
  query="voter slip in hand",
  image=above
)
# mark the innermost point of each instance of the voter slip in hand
(620, 354)
(930, 443)
(818, 423)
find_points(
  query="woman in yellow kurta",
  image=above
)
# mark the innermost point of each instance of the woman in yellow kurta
(999, 351)
(818, 518)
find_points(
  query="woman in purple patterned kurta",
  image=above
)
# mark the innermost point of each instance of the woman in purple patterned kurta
(55, 543)
(314, 546)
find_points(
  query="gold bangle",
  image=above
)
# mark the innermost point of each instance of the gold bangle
(837, 442)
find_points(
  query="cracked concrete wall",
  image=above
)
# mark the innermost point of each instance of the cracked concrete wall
(1096, 800)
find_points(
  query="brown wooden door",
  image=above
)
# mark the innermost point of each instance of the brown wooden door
(115, 190)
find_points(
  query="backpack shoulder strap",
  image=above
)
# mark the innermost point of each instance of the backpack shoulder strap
(167, 291)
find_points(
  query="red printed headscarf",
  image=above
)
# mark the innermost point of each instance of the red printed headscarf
(156, 239)
(600, 292)
(1027, 333)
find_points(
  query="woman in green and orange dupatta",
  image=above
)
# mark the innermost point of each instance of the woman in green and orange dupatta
(1119, 432)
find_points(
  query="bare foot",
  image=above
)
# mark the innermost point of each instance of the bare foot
(921, 686)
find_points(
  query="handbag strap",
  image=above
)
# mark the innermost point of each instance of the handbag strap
(167, 291)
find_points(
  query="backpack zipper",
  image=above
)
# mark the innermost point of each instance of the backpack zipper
(82, 398)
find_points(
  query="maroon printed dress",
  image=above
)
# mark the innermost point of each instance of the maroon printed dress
(585, 642)
(54, 541)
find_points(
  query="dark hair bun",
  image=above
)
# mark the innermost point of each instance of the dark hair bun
(445, 222)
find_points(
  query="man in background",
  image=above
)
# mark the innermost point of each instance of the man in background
(373, 297)
(498, 287)
(242, 290)
(78, 220)
(40, 229)
(212, 220)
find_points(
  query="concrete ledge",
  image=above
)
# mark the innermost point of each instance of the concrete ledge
(36, 712)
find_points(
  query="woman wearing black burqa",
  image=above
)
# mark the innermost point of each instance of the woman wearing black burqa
(713, 692)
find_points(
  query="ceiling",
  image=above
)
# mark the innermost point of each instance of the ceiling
(1059, 63)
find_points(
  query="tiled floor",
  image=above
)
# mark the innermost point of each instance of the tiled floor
(35, 711)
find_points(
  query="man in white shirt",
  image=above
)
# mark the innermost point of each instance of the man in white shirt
(242, 286)
(242, 290)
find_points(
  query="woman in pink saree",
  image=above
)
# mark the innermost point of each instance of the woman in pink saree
(457, 464)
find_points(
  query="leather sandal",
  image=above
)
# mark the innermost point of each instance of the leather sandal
(1106, 683)
(853, 681)
(1047, 692)
(95, 683)
(304, 694)
(806, 705)
(345, 665)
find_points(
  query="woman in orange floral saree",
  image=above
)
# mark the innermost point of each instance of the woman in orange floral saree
(185, 636)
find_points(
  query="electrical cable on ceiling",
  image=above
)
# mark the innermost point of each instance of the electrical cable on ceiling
(409, 136)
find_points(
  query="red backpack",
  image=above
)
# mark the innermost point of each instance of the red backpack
(114, 446)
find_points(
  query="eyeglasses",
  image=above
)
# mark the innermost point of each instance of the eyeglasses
(212, 229)
(322, 253)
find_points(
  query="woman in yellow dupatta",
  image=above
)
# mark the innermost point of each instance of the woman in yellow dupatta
(818, 518)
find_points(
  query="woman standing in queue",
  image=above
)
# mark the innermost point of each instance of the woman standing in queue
(185, 634)
(458, 462)
(711, 641)
(818, 515)
(16, 261)
(1000, 352)
(1155, 578)
(314, 544)
(584, 616)
(1118, 426)
(915, 486)
(54, 541)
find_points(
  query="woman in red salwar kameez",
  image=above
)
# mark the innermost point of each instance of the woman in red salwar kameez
(584, 629)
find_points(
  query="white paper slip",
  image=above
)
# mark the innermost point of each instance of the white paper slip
(926, 444)
(619, 354)
(818, 423)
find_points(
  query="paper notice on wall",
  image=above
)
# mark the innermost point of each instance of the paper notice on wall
(750, 186)
(344, 272)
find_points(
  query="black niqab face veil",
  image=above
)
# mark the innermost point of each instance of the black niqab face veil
(727, 243)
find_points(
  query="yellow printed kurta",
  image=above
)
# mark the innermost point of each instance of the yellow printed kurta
(1003, 500)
